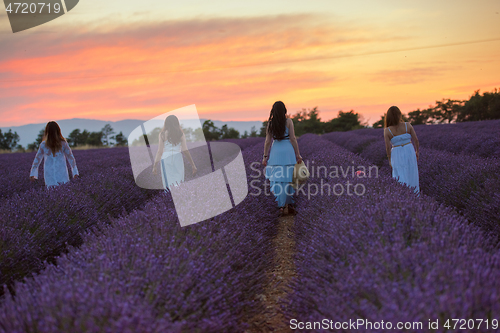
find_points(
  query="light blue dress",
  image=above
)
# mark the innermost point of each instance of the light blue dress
(404, 160)
(172, 165)
(279, 170)
(55, 171)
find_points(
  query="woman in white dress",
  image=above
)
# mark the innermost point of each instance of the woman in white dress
(55, 150)
(171, 145)
(403, 156)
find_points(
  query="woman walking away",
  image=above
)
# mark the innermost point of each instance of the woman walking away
(55, 150)
(402, 155)
(280, 162)
(172, 143)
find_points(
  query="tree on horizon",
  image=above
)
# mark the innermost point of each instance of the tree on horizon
(8, 140)
(107, 131)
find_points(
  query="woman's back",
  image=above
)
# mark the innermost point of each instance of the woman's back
(170, 148)
(55, 170)
(403, 158)
(400, 134)
(282, 152)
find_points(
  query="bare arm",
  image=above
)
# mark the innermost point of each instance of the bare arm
(267, 146)
(415, 140)
(185, 150)
(293, 140)
(160, 151)
(388, 145)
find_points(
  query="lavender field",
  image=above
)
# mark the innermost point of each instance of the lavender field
(102, 255)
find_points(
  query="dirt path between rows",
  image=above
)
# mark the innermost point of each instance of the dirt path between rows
(281, 272)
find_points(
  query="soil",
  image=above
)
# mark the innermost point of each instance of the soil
(279, 275)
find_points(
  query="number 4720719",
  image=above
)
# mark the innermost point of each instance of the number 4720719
(32, 8)
(471, 324)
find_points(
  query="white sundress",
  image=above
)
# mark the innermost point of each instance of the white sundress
(55, 171)
(172, 165)
(404, 160)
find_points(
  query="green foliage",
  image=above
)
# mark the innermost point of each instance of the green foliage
(447, 110)
(379, 123)
(478, 107)
(121, 140)
(106, 131)
(253, 132)
(39, 139)
(8, 140)
(95, 139)
(78, 138)
(481, 107)
(73, 137)
(229, 133)
(308, 122)
(345, 121)
(83, 138)
(419, 117)
(212, 132)
(263, 129)
(193, 134)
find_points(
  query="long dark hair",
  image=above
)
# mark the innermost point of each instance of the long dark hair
(393, 116)
(173, 129)
(277, 121)
(53, 137)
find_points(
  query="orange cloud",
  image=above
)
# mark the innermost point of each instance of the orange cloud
(230, 68)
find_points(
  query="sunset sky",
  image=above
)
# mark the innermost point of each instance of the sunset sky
(122, 59)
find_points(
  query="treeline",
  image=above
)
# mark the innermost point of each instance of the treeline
(484, 106)
(308, 121)
(208, 131)
(9, 140)
(478, 107)
(102, 138)
(77, 138)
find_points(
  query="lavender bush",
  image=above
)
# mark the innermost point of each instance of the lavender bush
(480, 138)
(144, 273)
(467, 182)
(388, 255)
(245, 143)
(15, 168)
(37, 223)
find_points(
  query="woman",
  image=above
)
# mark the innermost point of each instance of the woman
(280, 162)
(402, 155)
(172, 142)
(55, 150)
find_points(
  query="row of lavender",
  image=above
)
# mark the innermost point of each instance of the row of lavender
(144, 273)
(15, 168)
(37, 224)
(387, 255)
(469, 183)
(480, 138)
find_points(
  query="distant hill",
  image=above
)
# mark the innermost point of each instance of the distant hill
(28, 133)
